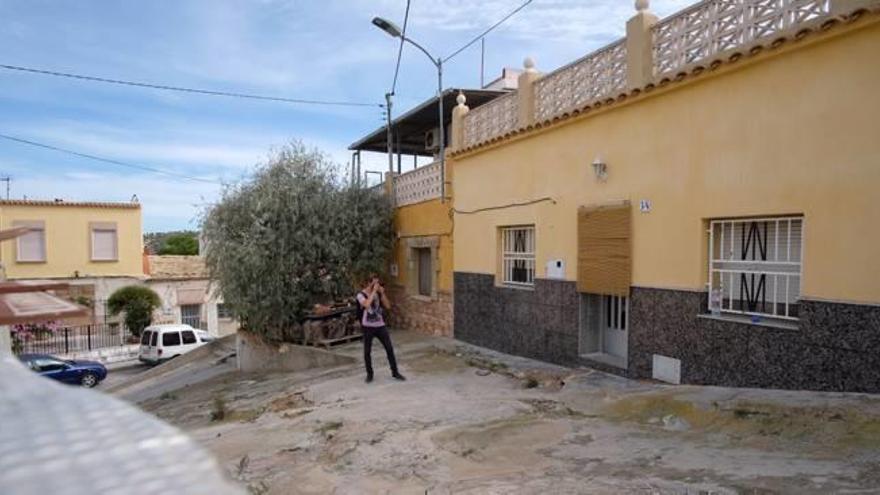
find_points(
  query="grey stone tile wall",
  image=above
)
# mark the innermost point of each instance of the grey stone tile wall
(835, 347)
(541, 323)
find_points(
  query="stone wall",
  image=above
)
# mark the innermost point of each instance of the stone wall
(540, 323)
(834, 346)
(429, 316)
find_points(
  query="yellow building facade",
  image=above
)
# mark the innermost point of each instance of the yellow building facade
(96, 246)
(420, 269)
(730, 193)
(72, 239)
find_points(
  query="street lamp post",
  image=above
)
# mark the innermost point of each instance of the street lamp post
(395, 32)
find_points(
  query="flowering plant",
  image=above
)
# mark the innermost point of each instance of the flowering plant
(24, 332)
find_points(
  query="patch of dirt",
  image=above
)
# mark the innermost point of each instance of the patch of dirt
(296, 400)
(823, 431)
(503, 440)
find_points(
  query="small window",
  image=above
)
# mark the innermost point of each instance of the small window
(426, 275)
(189, 337)
(154, 339)
(170, 339)
(224, 311)
(104, 242)
(31, 247)
(145, 338)
(518, 256)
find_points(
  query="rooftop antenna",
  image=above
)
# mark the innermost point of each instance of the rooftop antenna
(482, 61)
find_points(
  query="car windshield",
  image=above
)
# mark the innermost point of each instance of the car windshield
(145, 338)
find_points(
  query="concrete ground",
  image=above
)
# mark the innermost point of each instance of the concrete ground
(122, 372)
(470, 420)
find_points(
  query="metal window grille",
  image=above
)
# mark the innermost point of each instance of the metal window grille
(755, 266)
(615, 312)
(191, 314)
(518, 255)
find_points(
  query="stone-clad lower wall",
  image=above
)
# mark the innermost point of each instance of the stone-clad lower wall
(540, 323)
(423, 315)
(834, 347)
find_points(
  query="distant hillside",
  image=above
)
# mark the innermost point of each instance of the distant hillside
(155, 240)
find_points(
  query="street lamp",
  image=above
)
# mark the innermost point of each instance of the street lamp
(390, 28)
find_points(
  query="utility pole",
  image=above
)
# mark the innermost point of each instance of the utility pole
(388, 138)
(8, 181)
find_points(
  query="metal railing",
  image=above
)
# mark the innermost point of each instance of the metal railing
(755, 266)
(43, 339)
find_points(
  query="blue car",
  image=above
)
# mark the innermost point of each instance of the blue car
(85, 373)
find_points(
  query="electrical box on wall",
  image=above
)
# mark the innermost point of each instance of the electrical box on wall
(556, 269)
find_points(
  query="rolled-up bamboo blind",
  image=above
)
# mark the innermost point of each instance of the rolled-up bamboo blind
(604, 250)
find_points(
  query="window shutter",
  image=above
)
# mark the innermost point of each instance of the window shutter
(103, 244)
(604, 250)
(31, 246)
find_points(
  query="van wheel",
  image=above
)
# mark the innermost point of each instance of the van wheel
(89, 380)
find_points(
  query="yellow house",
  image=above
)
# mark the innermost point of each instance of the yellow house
(694, 203)
(96, 246)
(421, 266)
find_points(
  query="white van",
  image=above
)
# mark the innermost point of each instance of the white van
(163, 342)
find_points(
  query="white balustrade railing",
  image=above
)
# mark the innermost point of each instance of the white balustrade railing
(416, 186)
(599, 75)
(696, 34)
(716, 26)
(493, 119)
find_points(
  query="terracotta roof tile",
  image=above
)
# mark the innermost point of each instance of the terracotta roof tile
(59, 202)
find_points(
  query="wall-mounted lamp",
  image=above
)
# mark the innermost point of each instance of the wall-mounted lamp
(600, 168)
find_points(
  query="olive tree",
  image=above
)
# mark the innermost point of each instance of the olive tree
(291, 236)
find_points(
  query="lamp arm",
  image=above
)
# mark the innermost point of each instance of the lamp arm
(427, 54)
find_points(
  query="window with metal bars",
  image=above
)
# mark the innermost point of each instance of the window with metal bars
(755, 266)
(518, 256)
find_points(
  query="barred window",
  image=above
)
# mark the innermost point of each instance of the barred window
(755, 266)
(224, 311)
(518, 255)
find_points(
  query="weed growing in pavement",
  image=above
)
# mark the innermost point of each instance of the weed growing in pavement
(218, 413)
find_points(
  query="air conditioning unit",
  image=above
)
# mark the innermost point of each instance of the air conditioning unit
(432, 139)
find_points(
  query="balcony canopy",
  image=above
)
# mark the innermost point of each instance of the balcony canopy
(410, 128)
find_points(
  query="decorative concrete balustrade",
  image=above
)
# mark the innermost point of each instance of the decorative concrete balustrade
(651, 52)
(495, 118)
(418, 185)
(598, 75)
(715, 26)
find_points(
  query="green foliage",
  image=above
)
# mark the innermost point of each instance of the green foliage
(291, 236)
(185, 243)
(138, 303)
(154, 241)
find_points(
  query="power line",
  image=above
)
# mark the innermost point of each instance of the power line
(400, 49)
(106, 160)
(188, 90)
(484, 33)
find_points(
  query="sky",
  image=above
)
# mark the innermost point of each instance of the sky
(308, 49)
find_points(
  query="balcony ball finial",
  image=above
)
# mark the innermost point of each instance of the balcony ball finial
(461, 99)
(529, 64)
(642, 5)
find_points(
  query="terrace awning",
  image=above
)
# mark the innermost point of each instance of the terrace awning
(410, 128)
